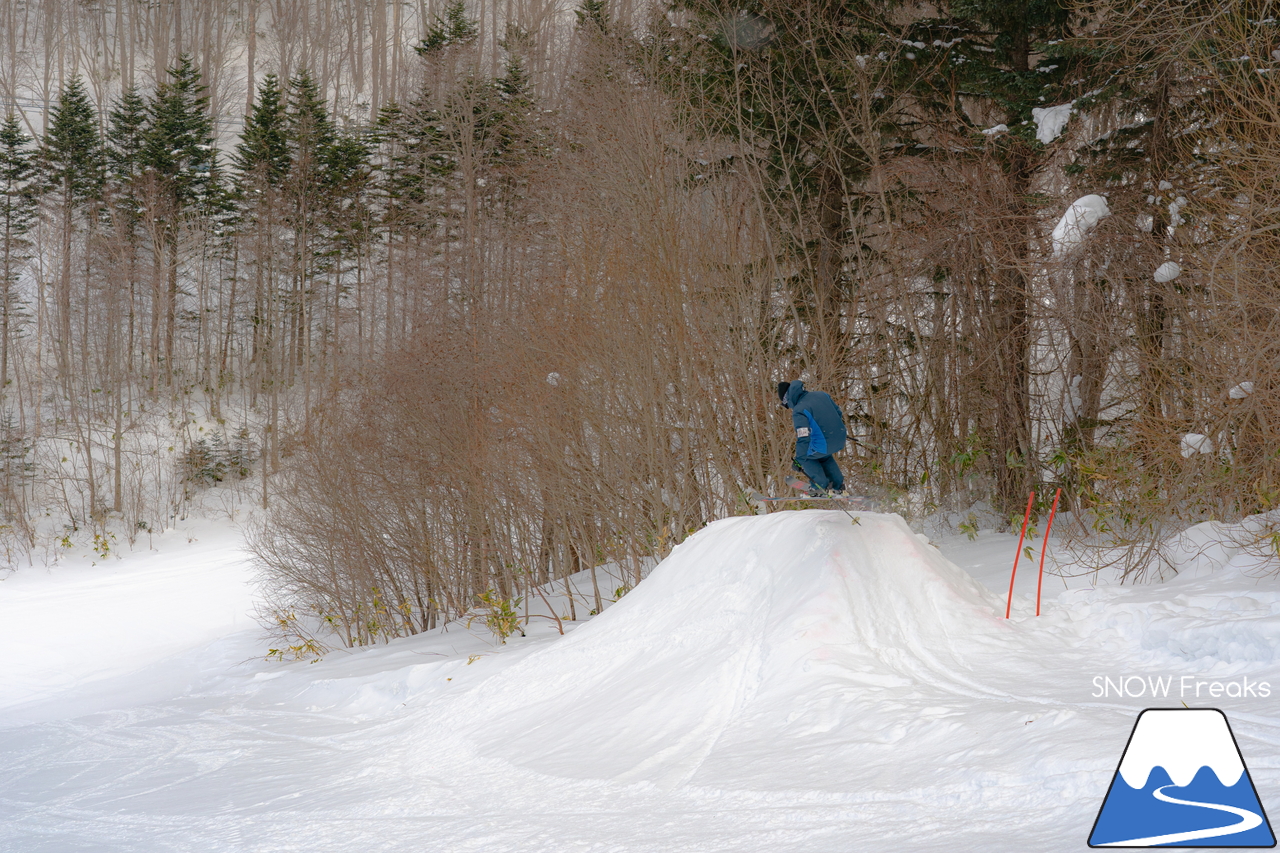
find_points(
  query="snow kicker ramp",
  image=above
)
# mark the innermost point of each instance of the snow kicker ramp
(760, 628)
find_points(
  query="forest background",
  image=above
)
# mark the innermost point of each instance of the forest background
(469, 297)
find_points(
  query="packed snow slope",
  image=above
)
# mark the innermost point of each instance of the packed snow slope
(789, 682)
(756, 631)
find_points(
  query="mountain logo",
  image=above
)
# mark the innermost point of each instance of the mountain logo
(1181, 782)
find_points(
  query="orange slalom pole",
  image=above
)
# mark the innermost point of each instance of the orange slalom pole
(1045, 547)
(1025, 518)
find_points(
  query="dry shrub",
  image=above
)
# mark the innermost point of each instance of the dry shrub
(1195, 355)
(590, 387)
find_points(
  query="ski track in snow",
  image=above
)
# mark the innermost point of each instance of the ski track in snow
(782, 683)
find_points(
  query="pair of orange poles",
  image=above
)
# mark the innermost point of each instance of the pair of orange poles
(1026, 518)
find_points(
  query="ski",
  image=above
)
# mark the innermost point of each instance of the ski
(843, 502)
(857, 502)
(756, 496)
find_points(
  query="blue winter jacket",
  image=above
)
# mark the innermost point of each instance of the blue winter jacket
(818, 421)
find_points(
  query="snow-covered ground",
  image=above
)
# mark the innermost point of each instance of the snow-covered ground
(789, 682)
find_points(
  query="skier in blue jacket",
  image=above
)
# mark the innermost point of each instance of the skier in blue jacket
(820, 432)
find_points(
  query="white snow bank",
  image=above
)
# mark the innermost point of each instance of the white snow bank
(1051, 121)
(1079, 219)
(821, 686)
(739, 629)
(78, 622)
(1212, 545)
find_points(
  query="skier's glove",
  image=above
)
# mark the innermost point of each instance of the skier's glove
(796, 466)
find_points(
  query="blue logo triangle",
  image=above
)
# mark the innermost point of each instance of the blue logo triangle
(1182, 782)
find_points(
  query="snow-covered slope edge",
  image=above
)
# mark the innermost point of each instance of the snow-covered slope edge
(744, 623)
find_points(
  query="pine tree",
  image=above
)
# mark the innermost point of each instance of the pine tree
(417, 160)
(71, 155)
(72, 166)
(181, 163)
(515, 113)
(781, 80)
(179, 147)
(348, 173)
(310, 137)
(452, 28)
(262, 163)
(1155, 114)
(593, 14)
(309, 132)
(126, 136)
(263, 151)
(348, 224)
(17, 214)
(994, 58)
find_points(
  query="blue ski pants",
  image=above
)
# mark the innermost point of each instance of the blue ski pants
(823, 472)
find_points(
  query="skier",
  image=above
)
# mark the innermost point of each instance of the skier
(820, 433)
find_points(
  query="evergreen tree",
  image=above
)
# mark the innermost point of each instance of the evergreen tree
(1155, 116)
(262, 163)
(348, 171)
(180, 161)
(999, 61)
(309, 133)
(263, 151)
(348, 218)
(72, 150)
(515, 114)
(414, 161)
(782, 81)
(309, 138)
(452, 28)
(72, 166)
(126, 136)
(179, 146)
(593, 14)
(17, 214)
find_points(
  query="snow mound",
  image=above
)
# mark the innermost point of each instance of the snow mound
(1076, 223)
(1195, 442)
(1167, 271)
(1239, 392)
(1051, 121)
(739, 637)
